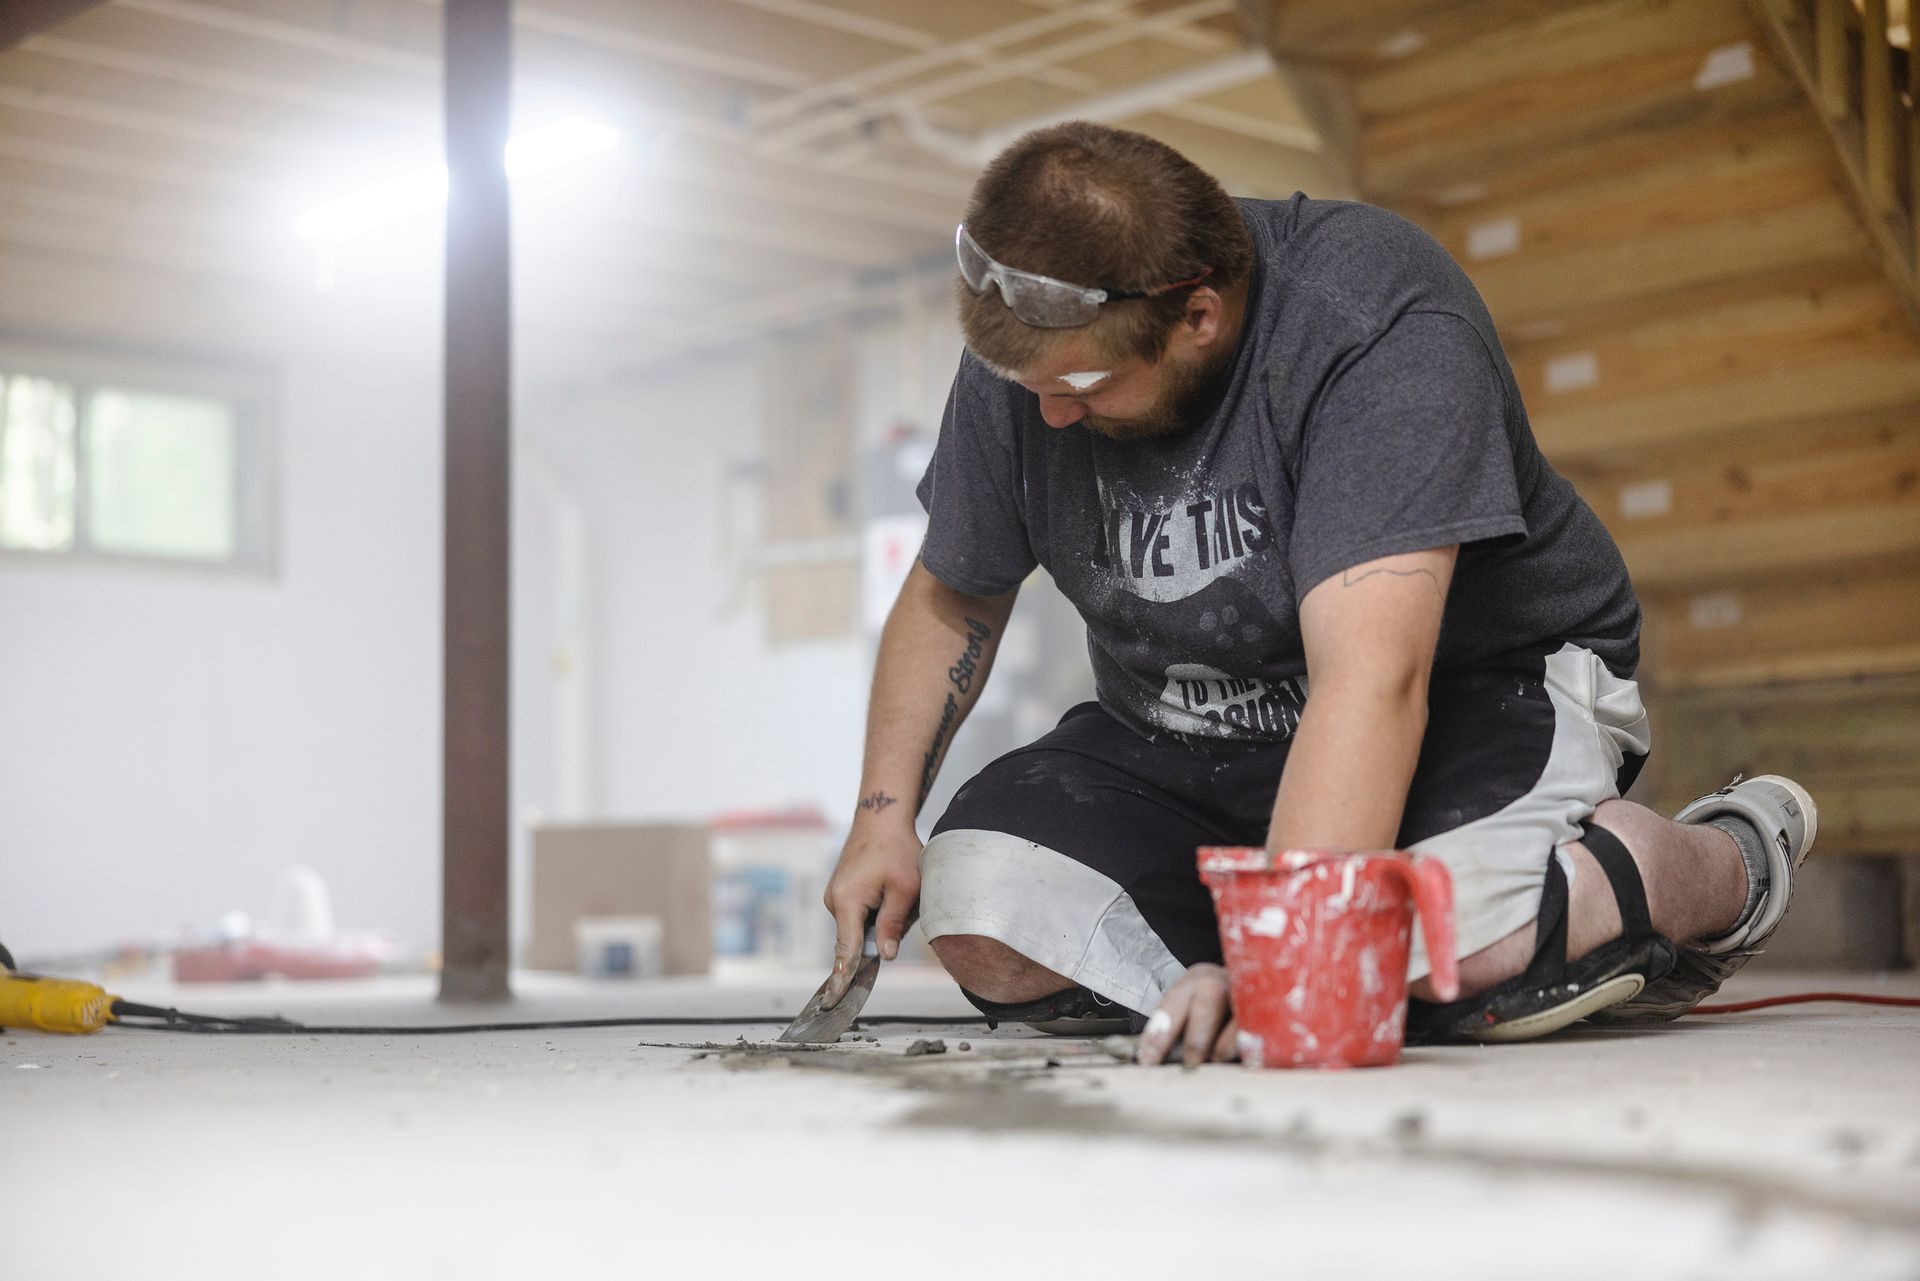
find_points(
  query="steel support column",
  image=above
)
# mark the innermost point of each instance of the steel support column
(478, 66)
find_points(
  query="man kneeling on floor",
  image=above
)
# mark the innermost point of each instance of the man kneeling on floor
(1335, 599)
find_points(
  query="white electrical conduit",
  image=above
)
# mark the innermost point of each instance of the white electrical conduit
(837, 118)
(974, 150)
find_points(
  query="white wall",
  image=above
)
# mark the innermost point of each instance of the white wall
(170, 740)
(695, 712)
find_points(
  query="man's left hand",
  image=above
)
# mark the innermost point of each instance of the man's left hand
(1195, 1020)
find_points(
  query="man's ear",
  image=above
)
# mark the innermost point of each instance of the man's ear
(1205, 308)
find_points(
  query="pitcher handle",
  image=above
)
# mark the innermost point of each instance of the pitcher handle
(1432, 888)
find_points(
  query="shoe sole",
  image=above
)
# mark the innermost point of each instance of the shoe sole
(1530, 1027)
(1084, 1027)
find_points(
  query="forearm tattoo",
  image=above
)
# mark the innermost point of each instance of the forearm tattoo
(962, 676)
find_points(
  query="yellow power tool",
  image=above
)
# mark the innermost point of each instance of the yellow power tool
(54, 1005)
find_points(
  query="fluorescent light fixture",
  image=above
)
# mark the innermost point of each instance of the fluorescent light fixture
(535, 151)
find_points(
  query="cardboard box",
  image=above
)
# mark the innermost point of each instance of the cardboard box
(623, 869)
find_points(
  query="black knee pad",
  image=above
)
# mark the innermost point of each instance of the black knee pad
(1075, 1011)
(1554, 992)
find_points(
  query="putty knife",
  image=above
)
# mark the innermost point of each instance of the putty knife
(818, 1026)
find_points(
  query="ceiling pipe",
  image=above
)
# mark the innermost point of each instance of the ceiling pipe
(974, 150)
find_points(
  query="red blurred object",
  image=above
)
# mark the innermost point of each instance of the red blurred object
(804, 817)
(251, 960)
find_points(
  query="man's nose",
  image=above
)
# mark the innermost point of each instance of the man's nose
(1061, 411)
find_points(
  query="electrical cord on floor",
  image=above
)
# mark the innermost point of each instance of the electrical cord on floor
(1801, 998)
(126, 1015)
(177, 1021)
(66, 1005)
(74, 1006)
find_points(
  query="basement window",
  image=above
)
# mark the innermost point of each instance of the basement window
(121, 464)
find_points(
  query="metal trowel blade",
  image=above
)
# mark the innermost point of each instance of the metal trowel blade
(814, 1025)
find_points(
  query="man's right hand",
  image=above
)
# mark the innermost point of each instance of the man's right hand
(879, 868)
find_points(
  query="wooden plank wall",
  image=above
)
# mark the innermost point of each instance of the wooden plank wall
(1708, 346)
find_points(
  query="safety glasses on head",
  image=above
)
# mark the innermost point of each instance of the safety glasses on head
(1042, 301)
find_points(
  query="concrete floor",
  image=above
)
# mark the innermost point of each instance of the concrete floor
(1776, 1144)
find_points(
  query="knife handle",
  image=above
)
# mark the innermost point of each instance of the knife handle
(870, 944)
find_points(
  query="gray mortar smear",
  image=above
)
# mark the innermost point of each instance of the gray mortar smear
(994, 1092)
(1008, 1104)
(922, 1062)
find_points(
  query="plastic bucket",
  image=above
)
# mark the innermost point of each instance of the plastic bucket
(1316, 944)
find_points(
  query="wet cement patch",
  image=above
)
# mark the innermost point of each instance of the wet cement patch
(1012, 1105)
(1037, 1088)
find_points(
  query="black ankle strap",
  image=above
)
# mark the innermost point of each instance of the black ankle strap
(1550, 928)
(1623, 874)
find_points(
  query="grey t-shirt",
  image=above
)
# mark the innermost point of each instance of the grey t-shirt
(1370, 411)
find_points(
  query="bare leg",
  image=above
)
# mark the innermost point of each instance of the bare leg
(995, 972)
(1696, 885)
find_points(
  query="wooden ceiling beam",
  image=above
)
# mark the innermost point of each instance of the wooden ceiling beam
(870, 108)
(702, 171)
(109, 220)
(215, 17)
(1421, 153)
(159, 124)
(204, 76)
(1569, 39)
(1362, 37)
(121, 166)
(21, 19)
(215, 80)
(712, 59)
(1248, 166)
(982, 44)
(1325, 96)
(919, 40)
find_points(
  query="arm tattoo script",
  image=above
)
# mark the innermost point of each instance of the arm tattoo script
(962, 676)
(877, 801)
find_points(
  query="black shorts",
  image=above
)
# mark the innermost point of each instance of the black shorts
(1078, 851)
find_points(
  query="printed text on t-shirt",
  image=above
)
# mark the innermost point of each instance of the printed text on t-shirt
(1167, 555)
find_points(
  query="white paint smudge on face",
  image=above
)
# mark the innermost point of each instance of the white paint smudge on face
(1082, 381)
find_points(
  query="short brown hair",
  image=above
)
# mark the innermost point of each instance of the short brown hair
(1102, 207)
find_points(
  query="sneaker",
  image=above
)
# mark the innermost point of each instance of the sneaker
(1787, 819)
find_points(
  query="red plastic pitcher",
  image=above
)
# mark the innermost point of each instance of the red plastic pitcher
(1316, 943)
